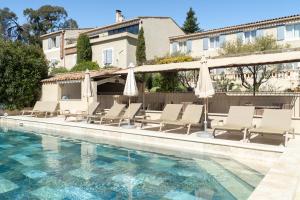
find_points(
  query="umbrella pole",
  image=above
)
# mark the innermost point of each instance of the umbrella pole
(128, 112)
(205, 117)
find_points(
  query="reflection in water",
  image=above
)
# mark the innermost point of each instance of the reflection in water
(51, 145)
(204, 193)
(88, 154)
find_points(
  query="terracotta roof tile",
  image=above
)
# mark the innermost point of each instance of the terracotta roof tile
(71, 76)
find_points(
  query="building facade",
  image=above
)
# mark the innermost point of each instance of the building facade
(286, 31)
(114, 44)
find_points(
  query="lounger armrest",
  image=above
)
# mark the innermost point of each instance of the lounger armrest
(291, 130)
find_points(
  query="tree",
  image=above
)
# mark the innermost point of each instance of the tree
(9, 26)
(191, 25)
(84, 49)
(22, 67)
(70, 24)
(43, 20)
(259, 73)
(141, 48)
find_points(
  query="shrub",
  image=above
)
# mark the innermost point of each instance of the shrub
(173, 59)
(58, 70)
(22, 67)
(84, 49)
(84, 66)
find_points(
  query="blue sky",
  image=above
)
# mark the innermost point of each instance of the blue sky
(210, 13)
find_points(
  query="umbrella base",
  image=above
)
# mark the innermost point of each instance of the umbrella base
(128, 126)
(204, 134)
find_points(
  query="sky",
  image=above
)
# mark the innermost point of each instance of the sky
(210, 13)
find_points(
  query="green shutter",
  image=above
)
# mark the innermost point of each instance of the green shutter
(205, 43)
(280, 33)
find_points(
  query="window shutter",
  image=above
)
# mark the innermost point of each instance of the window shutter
(104, 57)
(49, 43)
(222, 40)
(188, 46)
(297, 30)
(109, 56)
(205, 43)
(240, 36)
(57, 42)
(174, 47)
(259, 33)
(280, 33)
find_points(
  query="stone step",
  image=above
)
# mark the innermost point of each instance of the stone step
(237, 187)
(247, 174)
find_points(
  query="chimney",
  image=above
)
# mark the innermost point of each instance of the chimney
(119, 16)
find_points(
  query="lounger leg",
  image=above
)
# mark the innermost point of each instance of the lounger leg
(286, 139)
(294, 135)
(160, 126)
(188, 129)
(120, 122)
(214, 133)
(245, 135)
(101, 120)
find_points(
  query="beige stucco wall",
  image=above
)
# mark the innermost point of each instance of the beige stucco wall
(53, 92)
(70, 61)
(50, 92)
(157, 33)
(120, 44)
(197, 44)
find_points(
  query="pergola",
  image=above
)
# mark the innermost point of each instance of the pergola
(222, 62)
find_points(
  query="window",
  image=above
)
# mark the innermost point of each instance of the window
(249, 36)
(182, 47)
(188, 46)
(107, 58)
(134, 29)
(54, 42)
(292, 31)
(214, 42)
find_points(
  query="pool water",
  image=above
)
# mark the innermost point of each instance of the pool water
(35, 166)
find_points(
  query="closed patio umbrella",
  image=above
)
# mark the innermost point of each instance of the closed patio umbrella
(130, 88)
(87, 88)
(204, 88)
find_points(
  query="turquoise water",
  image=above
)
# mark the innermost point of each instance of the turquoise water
(34, 166)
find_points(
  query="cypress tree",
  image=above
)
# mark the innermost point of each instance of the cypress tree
(84, 49)
(190, 25)
(141, 48)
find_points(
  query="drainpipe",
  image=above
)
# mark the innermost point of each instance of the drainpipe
(62, 47)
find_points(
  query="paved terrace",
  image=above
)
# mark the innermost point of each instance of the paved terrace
(278, 163)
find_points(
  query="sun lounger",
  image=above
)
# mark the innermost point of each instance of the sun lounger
(275, 122)
(42, 108)
(191, 116)
(83, 114)
(37, 107)
(239, 119)
(170, 113)
(130, 113)
(115, 112)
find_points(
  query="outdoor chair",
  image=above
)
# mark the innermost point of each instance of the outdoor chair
(114, 112)
(42, 108)
(275, 122)
(36, 108)
(191, 116)
(239, 119)
(170, 113)
(129, 114)
(93, 107)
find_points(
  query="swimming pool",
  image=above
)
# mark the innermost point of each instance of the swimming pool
(36, 166)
